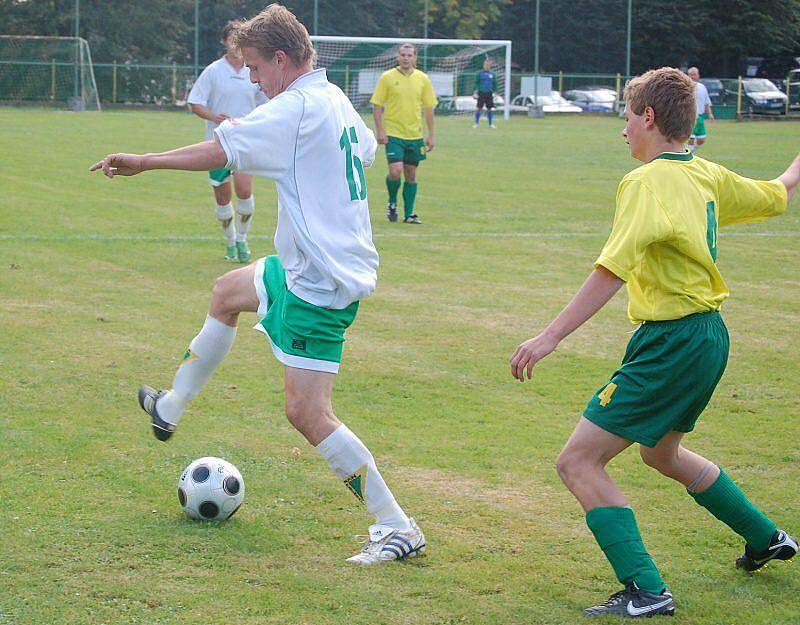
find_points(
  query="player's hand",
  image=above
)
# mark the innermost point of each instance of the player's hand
(221, 117)
(382, 138)
(529, 353)
(120, 165)
(430, 143)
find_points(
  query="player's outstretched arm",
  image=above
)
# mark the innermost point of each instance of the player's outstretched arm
(600, 286)
(203, 156)
(791, 177)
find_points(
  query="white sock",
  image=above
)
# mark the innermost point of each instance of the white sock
(206, 351)
(244, 216)
(351, 461)
(225, 216)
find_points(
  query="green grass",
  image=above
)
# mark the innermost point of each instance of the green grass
(103, 283)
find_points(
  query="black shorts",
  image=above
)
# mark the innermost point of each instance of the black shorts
(485, 99)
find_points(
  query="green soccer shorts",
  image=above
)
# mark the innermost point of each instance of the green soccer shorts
(409, 151)
(699, 131)
(666, 379)
(219, 177)
(302, 335)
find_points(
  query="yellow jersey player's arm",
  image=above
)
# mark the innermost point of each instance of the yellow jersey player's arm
(791, 178)
(429, 102)
(639, 221)
(743, 199)
(378, 100)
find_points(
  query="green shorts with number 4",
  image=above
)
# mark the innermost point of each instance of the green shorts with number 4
(699, 131)
(409, 151)
(219, 177)
(302, 335)
(666, 379)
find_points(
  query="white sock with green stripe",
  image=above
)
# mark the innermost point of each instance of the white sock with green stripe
(225, 216)
(206, 351)
(351, 461)
(244, 216)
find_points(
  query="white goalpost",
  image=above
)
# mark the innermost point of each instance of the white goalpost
(46, 69)
(356, 63)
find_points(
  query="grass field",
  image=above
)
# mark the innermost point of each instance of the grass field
(103, 283)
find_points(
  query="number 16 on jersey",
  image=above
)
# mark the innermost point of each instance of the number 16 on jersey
(346, 142)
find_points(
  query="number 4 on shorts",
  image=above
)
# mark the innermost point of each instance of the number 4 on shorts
(605, 395)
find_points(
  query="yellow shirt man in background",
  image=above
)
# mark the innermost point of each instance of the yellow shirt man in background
(400, 96)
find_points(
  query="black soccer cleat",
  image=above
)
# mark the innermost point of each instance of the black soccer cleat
(412, 219)
(633, 602)
(147, 400)
(391, 212)
(781, 547)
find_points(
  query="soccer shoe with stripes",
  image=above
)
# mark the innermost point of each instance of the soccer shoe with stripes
(781, 547)
(386, 544)
(633, 602)
(243, 251)
(391, 212)
(412, 219)
(231, 255)
(147, 400)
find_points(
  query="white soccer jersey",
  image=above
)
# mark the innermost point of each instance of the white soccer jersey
(314, 144)
(702, 98)
(222, 89)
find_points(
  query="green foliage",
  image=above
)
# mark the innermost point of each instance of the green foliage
(103, 283)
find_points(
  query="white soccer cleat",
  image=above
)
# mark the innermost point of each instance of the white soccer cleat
(474, 125)
(386, 544)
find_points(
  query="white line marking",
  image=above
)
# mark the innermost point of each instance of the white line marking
(382, 235)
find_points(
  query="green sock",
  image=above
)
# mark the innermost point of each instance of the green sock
(409, 195)
(393, 186)
(729, 504)
(617, 534)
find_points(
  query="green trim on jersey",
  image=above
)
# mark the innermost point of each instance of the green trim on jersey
(306, 336)
(675, 156)
(666, 379)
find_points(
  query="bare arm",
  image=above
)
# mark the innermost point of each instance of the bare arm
(791, 177)
(380, 133)
(430, 141)
(203, 156)
(206, 113)
(600, 286)
(709, 112)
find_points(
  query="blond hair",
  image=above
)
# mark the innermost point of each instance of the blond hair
(671, 95)
(277, 28)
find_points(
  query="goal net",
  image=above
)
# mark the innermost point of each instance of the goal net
(356, 63)
(55, 70)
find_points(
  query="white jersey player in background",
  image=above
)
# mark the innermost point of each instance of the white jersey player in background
(703, 101)
(224, 91)
(312, 142)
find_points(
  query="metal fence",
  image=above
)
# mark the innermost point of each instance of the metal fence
(167, 85)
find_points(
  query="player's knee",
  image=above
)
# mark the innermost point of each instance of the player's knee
(303, 412)
(395, 173)
(658, 459)
(700, 141)
(569, 465)
(222, 293)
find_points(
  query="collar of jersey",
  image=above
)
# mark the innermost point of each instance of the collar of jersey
(316, 75)
(684, 156)
(397, 67)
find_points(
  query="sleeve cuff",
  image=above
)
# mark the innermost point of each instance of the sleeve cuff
(226, 146)
(607, 263)
(784, 195)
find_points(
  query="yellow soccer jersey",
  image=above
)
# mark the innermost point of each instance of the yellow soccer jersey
(663, 243)
(403, 97)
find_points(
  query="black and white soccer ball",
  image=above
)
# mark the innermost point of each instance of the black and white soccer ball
(211, 489)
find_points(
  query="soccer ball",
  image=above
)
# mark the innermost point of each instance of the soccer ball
(210, 489)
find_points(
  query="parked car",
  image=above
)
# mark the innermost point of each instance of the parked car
(716, 91)
(552, 103)
(759, 95)
(598, 99)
